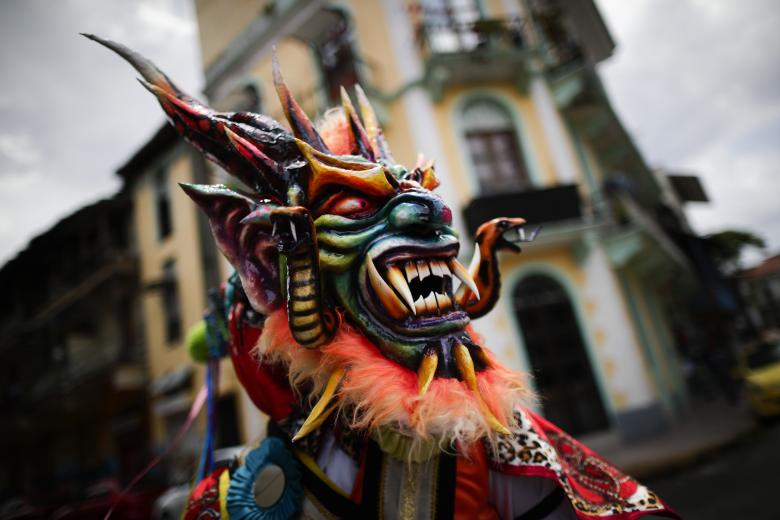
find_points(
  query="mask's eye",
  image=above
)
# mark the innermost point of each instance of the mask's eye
(347, 205)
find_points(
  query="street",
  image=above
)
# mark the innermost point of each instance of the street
(740, 482)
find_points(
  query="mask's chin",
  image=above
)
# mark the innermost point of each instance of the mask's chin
(406, 298)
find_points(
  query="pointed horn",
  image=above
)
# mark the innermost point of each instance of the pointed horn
(356, 127)
(265, 167)
(144, 66)
(208, 195)
(371, 124)
(328, 170)
(427, 370)
(466, 369)
(319, 413)
(301, 125)
(196, 122)
(252, 153)
(176, 106)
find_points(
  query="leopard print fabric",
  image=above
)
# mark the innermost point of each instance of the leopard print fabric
(594, 487)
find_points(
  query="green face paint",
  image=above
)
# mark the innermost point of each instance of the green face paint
(404, 301)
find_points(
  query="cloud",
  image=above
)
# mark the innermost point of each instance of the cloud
(161, 20)
(70, 111)
(17, 151)
(695, 82)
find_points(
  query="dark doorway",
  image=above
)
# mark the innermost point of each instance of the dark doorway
(559, 362)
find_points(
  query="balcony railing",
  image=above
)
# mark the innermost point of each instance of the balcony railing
(482, 35)
(483, 50)
(536, 206)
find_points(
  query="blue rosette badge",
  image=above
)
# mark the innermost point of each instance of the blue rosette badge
(268, 485)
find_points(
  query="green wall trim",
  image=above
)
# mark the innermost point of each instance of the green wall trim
(644, 340)
(661, 324)
(621, 247)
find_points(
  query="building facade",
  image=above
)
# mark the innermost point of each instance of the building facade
(178, 265)
(73, 397)
(504, 95)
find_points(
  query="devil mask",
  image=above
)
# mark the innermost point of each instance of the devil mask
(357, 255)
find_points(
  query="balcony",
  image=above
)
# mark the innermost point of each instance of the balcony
(536, 206)
(484, 50)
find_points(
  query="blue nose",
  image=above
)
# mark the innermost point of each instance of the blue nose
(420, 209)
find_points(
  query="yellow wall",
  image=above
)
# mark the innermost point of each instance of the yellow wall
(182, 246)
(534, 145)
(221, 21)
(300, 73)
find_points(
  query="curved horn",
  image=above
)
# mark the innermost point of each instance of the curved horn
(327, 170)
(207, 130)
(145, 68)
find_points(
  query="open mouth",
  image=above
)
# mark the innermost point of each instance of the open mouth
(516, 234)
(416, 290)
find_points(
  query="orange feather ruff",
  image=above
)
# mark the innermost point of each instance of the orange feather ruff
(379, 392)
(334, 130)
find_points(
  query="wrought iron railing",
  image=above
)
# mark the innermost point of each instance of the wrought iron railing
(451, 36)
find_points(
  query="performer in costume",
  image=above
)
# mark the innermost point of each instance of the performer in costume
(348, 322)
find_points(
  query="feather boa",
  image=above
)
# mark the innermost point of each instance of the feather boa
(378, 394)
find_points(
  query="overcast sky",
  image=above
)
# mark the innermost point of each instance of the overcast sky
(71, 112)
(696, 82)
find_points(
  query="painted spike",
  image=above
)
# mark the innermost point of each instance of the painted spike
(426, 371)
(300, 123)
(316, 418)
(371, 124)
(199, 124)
(466, 369)
(266, 166)
(328, 170)
(356, 128)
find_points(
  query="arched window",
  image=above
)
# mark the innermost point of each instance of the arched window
(556, 351)
(493, 146)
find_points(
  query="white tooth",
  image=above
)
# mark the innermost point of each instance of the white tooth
(292, 231)
(445, 271)
(411, 270)
(430, 304)
(464, 276)
(476, 259)
(436, 268)
(423, 269)
(397, 280)
(386, 295)
(444, 301)
(521, 233)
(419, 305)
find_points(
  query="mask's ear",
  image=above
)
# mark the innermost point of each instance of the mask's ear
(248, 247)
